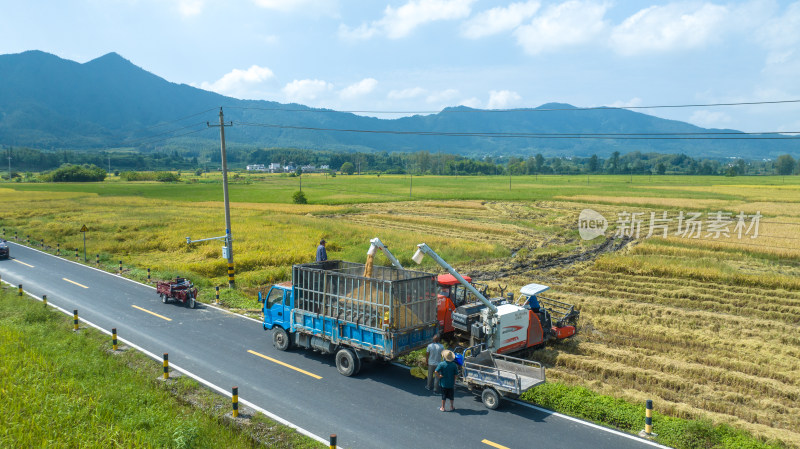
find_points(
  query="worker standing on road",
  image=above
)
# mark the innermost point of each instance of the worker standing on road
(434, 353)
(322, 255)
(446, 372)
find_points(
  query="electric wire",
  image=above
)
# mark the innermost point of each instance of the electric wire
(469, 110)
(179, 119)
(601, 136)
(137, 140)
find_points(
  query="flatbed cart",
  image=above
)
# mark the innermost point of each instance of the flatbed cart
(493, 376)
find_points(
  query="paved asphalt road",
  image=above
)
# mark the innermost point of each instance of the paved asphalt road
(382, 407)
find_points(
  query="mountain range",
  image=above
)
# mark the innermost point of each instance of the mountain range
(52, 103)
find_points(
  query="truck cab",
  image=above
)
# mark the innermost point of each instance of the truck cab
(277, 306)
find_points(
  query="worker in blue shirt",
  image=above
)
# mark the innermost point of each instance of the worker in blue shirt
(447, 372)
(322, 255)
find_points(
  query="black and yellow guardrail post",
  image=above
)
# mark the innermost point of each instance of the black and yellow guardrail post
(44, 300)
(120, 268)
(216, 298)
(75, 320)
(230, 274)
(15, 236)
(114, 338)
(58, 249)
(28, 239)
(42, 242)
(235, 402)
(97, 259)
(648, 421)
(166, 366)
(76, 254)
(20, 289)
(148, 274)
(333, 441)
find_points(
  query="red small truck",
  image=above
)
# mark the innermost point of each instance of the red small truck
(181, 290)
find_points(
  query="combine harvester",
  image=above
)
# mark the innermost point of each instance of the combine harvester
(537, 319)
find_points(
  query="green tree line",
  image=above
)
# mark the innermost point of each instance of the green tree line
(421, 162)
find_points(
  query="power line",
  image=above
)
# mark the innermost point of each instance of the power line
(140, 139)
(179, 119)
(469, 110)
(600, 136)
(174, 137)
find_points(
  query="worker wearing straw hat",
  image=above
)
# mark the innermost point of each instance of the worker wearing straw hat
(446, 372)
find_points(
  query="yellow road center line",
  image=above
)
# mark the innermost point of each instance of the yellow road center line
(285, 364)
(23, 263)
(73, 282)
(151, 313)
(493, 444)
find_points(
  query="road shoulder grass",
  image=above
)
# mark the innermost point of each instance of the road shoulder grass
(67, 389)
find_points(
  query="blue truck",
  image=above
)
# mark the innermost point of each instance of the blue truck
(359, 312)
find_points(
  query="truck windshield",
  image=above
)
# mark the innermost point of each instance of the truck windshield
(275, 297)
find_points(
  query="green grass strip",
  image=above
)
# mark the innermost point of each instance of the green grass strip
(62, 389)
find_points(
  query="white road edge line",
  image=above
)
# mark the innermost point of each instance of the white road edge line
(208, 384)
(577, 420)
(132, 280)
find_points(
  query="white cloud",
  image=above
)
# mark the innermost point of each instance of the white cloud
(400, 22)
(290, 5)
(358, 89)
(405, 94)
(502, 99)
(443, 96)
(675, 26)
(189, 8)
(570, 23)
(240, 83)
(305, 90)
(471, 102)
(497, 20)
(782, 32)
(710, 119)
(635, 101)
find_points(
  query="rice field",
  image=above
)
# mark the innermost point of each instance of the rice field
(704, 326)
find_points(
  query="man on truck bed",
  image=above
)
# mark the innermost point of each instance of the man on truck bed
(322, 255)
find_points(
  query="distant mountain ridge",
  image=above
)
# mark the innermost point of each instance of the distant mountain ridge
(50, 102)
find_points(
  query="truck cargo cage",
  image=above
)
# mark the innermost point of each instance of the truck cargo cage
(390, 299)
(563, 314)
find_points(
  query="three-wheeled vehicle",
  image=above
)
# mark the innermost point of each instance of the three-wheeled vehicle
(180, 290)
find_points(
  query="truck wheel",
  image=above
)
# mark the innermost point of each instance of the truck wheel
(163, 298)
(280, 339)
(490, 398)
(347, 362)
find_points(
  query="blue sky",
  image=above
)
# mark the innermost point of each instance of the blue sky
(423, 55)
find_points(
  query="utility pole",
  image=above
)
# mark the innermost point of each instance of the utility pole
(9, 164)
(228, 237)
